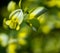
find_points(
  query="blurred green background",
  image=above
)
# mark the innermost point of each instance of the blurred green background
(29, 26)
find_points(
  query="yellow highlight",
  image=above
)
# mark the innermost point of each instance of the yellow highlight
(4, 23)
(58, 4)
(13, 23)
(0, 40)
(18, 27)
(57, 24)
(42, 19)
(30, 24)
(11, 48)
(14, 17)
(22, 35)
(8, 22)
(58, 14)
(31, 16)
(51, 3)
(46, 29)
(22, 42)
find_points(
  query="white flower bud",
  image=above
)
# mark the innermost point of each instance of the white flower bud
(17, 14)
(4, 39)
(15, 19)
(11, 6)
(37, 12)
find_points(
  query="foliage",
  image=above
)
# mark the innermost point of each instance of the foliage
(30, 26)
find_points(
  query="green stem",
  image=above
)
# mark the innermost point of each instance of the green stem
(20, 3)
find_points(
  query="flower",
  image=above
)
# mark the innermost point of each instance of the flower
(37, 12)
(15, 19)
